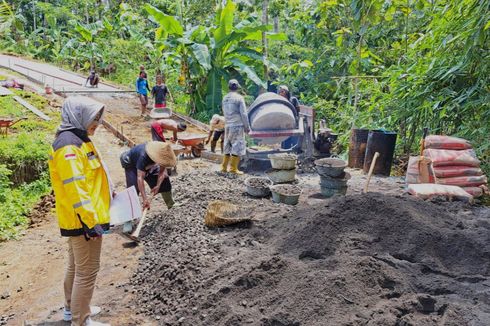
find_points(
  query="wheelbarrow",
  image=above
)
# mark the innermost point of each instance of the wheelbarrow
(193, 143)
(6, 123)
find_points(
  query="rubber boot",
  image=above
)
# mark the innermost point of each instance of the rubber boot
(224, 165)
(167, 198)
(235, 160)
(213, 146)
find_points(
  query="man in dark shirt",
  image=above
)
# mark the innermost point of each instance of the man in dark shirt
(160, 92)
(148, 163)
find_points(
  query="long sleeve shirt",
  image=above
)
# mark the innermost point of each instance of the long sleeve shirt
(142, 86)
(235, 111)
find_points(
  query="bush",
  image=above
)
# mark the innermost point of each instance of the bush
(17, 203)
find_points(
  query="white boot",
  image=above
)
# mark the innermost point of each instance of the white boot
(94, 310)
(90, 322)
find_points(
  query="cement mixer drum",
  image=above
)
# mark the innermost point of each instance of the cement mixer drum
(271, 112)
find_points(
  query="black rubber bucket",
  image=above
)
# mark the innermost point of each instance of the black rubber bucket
(384, 143)
(357, 148)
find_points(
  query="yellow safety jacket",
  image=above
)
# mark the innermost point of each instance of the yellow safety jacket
(80, 183)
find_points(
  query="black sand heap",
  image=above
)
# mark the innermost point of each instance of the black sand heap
(357, 260)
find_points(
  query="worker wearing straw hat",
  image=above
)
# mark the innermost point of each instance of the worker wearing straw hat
(148, 163)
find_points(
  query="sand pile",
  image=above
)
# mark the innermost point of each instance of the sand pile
(357, 260)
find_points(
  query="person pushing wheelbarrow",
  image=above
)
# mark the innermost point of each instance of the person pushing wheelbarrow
(158, 127)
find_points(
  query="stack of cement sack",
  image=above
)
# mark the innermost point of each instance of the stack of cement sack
(449, 167)
(454, 163)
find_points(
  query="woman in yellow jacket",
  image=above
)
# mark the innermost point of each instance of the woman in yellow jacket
(83, 194)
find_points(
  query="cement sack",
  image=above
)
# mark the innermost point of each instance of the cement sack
(470, 181)
(125, 207)
(456, 171)
(445, 157)
(446, 142)
(429, 190)
(475, 191)
(419, 170)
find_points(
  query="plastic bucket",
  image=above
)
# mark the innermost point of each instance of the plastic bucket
(330, 182)
(330, 167)
(286, 194)
(357, 147)
(258, 191)
(283, 161)
(281, 176)
(330, 192)
(384, 143)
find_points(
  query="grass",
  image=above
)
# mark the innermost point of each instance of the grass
(27, 143)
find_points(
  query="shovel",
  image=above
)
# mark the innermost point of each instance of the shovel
(135, 235)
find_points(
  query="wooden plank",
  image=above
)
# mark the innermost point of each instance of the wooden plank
(32, 108)
(5, 91)
(117, 133)
(192, 121)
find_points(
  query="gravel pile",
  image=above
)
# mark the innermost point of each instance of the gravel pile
(181, 254)
(366, 259)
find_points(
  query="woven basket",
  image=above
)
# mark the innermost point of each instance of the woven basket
(220, 213)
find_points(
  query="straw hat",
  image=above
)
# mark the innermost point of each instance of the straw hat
(161, 153)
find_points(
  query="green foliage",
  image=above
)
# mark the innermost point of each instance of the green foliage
(25, 148)
(426, 66)
(209, 56)
(17, 202)
(396, 64)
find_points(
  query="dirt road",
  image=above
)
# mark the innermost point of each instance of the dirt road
(31, 269)
(43, 73)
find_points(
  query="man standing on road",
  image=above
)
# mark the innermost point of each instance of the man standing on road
(217, 130)
(142, 89)
(158, 127)
(236, 125)
(159, 93)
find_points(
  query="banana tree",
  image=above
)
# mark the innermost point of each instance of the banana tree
(87, 34)
(209, 56)
(10, 20)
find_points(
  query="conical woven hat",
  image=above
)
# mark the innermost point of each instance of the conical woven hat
(161, 153)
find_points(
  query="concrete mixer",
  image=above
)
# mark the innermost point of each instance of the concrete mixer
(272, 120)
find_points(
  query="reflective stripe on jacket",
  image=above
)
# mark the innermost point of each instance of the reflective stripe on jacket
(80, 184)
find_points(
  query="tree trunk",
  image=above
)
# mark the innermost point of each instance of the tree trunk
(265, 21)
(34, 15)
(276, 24)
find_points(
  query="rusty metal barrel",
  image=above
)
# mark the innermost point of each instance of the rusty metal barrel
(357, 148)
(384, 143)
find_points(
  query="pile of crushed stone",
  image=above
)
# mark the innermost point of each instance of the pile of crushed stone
(367, 259)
